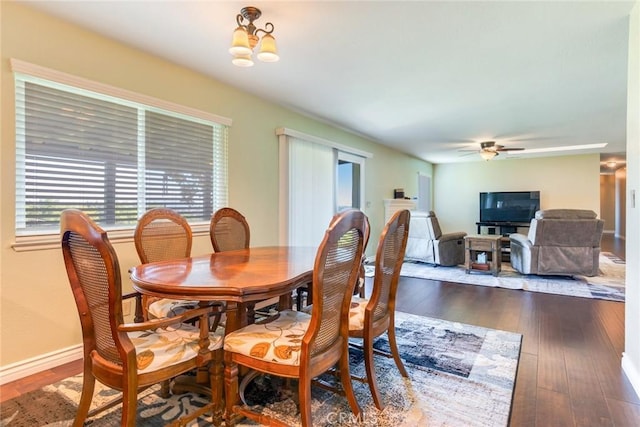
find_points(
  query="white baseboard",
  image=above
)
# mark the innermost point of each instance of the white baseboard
(24, 368)
(632, 373)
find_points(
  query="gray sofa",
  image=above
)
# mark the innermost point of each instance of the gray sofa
(426, 243)
(560, 242)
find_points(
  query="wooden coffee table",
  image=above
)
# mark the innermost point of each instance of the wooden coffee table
(491, 245)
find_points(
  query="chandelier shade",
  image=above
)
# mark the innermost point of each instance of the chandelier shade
(240, 43)
(487, 154)
(268, 51)
(242, 61)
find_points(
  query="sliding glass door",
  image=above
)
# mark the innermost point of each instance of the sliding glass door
(318, 178)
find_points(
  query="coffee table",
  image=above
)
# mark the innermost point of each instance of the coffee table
(490, 245)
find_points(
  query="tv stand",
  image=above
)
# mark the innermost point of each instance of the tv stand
(502, 229)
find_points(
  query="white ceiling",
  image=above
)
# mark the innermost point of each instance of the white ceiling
(427, 77)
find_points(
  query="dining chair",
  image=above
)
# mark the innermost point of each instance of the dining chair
(299, 345)
(371, 317)
(229, 231)
(129, 356)
(163, 234)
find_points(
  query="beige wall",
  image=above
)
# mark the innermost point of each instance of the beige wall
(37, 312)
(563, 182)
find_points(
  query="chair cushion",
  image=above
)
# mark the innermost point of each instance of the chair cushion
(165, 347)
(356, 313)
(277, 340)
(169, 307)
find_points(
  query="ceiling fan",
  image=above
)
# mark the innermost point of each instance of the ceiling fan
(489, 149)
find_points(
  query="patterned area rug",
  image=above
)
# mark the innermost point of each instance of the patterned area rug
(608, 285)
(459, 375)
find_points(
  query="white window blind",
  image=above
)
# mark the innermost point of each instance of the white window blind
(111, 157)
(311, 191)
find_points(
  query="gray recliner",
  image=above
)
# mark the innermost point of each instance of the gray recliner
(560, 242)
(426, 243)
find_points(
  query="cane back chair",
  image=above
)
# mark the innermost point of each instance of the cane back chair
(163, 234)
(300, 345)
(229, 230)
(129, 357)
(372, 317)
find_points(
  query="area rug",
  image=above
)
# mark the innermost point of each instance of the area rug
(608, 285)
(459, 375)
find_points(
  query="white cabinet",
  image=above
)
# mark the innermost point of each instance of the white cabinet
(391, 206)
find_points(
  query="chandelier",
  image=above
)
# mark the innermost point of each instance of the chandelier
(245, 39)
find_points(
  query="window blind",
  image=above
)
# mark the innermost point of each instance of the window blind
(111, 157)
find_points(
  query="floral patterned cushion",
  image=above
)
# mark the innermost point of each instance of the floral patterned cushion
(165, 347)
(274, 341)
(169, 307)
(356, 313)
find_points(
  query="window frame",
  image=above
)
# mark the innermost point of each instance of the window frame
(41, 75)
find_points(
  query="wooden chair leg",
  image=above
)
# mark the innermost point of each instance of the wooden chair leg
(391, 333)
(345, 379)
(251, 313)
(88, 386)
(165, 389)
(371, 373)
(304, 391)
(129, 405)
(299, 292)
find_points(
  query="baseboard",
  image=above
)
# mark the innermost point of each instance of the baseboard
(632, 373)
(24, 368)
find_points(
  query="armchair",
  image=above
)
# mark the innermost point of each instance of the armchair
(123, 356)
(560, 241)
(426, 243)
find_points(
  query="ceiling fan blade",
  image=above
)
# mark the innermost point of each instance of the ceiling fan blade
(510, 149)
(464, 153)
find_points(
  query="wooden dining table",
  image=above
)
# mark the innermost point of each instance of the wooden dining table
(236, 277)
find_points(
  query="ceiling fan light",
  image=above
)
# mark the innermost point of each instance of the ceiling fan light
(611, 164)
(242, 61)
(240, 43)
(268, 51)
(488, 155)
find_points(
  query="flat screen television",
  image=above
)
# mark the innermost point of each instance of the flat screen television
(509, 206)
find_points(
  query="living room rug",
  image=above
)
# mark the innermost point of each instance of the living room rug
(608, 285)
(459, 375)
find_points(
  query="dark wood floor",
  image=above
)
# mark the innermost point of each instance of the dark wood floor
(569, 372)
